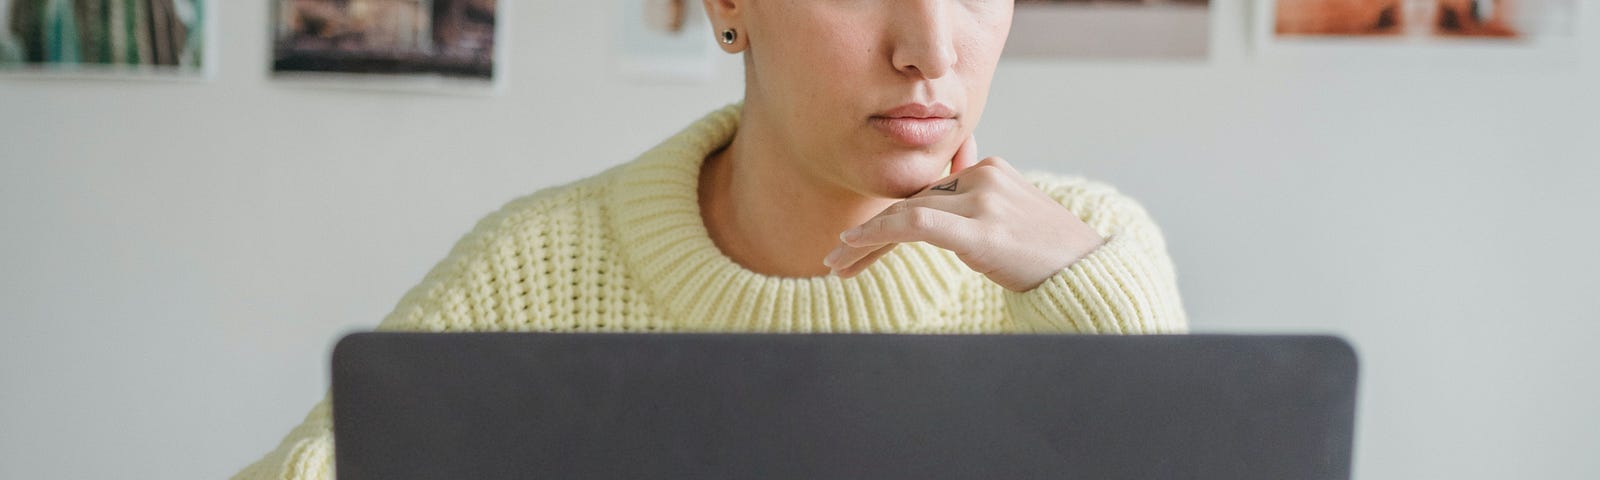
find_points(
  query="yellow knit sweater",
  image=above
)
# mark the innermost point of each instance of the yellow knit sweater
(627, 251)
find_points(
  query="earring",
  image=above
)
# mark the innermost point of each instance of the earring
(729, 35)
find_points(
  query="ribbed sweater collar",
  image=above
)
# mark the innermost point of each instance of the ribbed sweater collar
(654, 209)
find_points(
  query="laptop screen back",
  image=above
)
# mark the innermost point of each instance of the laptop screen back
(598, 406)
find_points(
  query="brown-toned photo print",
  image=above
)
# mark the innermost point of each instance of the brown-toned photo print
(1438, 19)
(1111, 29)
(448, 38)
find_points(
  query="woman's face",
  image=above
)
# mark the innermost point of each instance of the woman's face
(874, 96)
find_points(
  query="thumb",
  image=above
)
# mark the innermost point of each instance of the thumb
(966, 155)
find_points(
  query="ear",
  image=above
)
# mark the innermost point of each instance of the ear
(725, 15)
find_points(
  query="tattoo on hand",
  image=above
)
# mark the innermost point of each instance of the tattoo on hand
(948, 187)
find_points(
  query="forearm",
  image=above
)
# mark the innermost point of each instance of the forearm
(305, 454)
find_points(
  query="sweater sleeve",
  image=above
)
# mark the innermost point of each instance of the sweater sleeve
(305, 454)
(1126, 286)
(457, 294)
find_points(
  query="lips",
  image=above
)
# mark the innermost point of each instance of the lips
(916, 125)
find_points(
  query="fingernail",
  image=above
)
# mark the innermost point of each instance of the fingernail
(850, 235)
(832, 257)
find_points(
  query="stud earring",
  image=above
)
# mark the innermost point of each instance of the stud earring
(729, 35)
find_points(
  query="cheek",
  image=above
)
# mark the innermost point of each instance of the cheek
(980, 48)
(836, 58)
(980, 52)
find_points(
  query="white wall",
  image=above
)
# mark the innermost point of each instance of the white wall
(177, 258)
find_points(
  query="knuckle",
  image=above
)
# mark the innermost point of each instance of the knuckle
(919, 218)
(986, 202)
(986, 172)
(979, 246)
(998, 164)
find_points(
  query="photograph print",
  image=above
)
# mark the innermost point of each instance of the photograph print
(667, 40)
(454, 39)
(104, 37)
(1422, 20)
(1111, 29)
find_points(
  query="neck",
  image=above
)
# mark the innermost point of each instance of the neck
(766, 213)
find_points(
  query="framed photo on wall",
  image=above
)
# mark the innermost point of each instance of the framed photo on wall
(1111, 29)
(390, 43)
(1419, 32)
(665, 40)
(107, 38)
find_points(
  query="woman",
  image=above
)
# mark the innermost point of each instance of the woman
(819, 204)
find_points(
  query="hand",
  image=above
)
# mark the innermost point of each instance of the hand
(994, 220)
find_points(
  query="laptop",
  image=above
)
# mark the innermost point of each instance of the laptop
(836, 406)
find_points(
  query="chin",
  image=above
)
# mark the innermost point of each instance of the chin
(903, 177)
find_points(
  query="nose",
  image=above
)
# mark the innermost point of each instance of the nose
(923, 39)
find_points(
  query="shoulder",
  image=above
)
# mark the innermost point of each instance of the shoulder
(557, 210)
(525, 235)
(511, 260)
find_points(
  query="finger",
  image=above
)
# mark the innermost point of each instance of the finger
(966, 155)
(937, 227)
(969, 206)
(1003, 167)
(844, 253)
(865, 262)
(950, 185)
(963, 205)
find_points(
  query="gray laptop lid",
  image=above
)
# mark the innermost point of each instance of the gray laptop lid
(789, 406)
